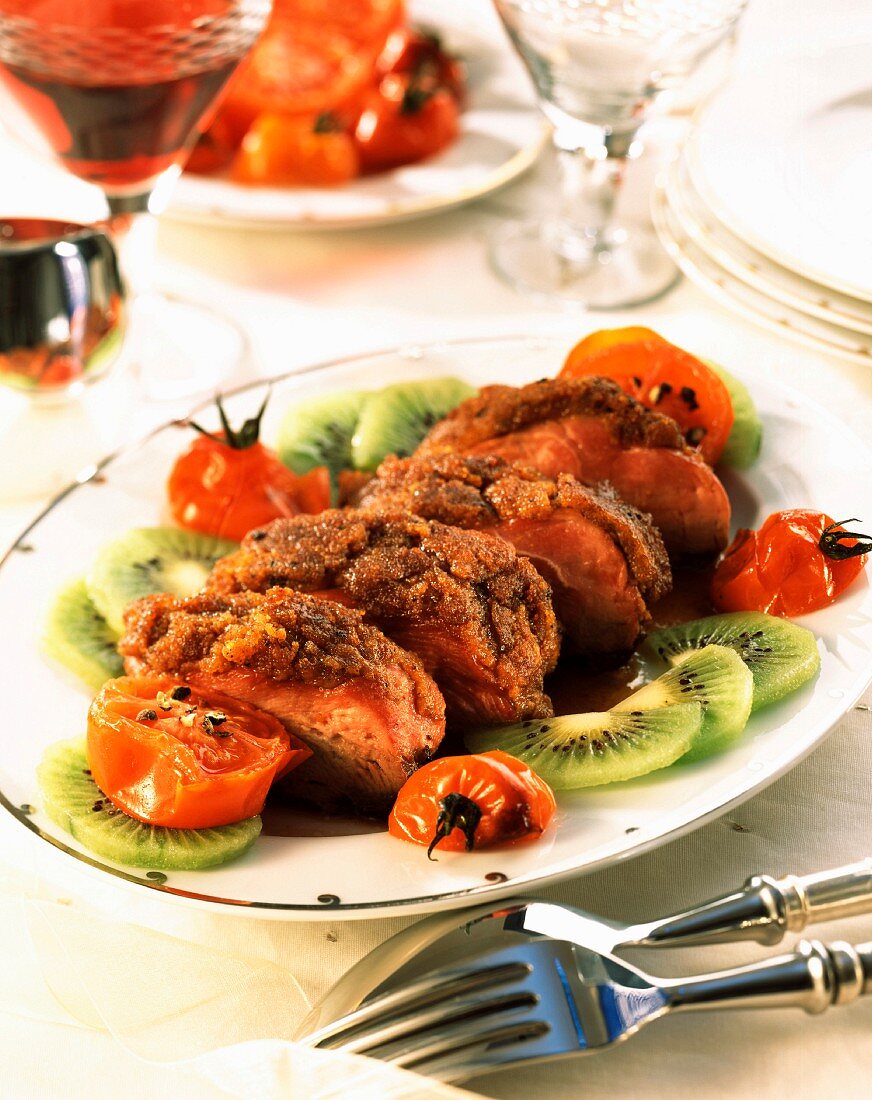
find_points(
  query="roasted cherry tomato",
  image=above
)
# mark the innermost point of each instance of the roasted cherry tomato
(662, 377)
(282, 150)
(798, 561)
(168, 754)
(228, 485)
(420, 55)
(466, 802)
(403, 122)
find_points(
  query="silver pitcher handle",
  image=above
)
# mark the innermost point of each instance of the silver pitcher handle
(766, 908)
(813, 977)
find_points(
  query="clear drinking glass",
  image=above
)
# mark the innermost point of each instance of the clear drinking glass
(116, 90)
(597, 66)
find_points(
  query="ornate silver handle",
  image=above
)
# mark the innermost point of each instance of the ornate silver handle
(813, 977)
(765, 909)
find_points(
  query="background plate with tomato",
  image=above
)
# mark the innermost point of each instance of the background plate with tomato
(499, 139)
(808, 458)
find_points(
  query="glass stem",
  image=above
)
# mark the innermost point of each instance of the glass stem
(591, 174)
(134, 230)
(132, 222)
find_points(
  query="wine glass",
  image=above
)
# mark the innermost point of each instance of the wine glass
(597, 66)
(117, 90)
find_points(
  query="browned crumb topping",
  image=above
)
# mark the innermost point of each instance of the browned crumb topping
(283, 635)
(498, 410)
(396, 567)
(483, 491)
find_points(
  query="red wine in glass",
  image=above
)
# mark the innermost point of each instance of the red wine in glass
(117, 90)
(118, 87)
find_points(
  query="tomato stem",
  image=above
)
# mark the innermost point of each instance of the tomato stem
(327, 123)
(456, 811)
(240, 439)
(830, 541)
(414, 98)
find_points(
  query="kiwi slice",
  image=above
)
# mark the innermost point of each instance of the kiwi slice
(73, 801)
(395, 420)
(78, 637)
(151, 559)
(715, 677)
(746, 435)
(587, 750)
(781, 655)
(318, 433)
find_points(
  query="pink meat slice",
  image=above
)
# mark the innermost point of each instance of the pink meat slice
(590, 428)
(682, 494)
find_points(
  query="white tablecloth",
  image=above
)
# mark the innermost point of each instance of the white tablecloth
(311, 297)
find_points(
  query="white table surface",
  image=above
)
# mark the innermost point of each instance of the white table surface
(309, 297)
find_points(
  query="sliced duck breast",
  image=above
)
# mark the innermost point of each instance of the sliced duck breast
(591, 429)
(365, 707)
(604, 560)
(477, 614)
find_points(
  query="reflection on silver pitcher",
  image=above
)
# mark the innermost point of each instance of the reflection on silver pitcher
(62, 305)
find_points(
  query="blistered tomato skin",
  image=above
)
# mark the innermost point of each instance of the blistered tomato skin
(797, 562)
(168, 754)
(226, 485)
(403, 122)
(463, 803)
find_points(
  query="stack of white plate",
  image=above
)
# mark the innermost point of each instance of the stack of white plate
(769, 205)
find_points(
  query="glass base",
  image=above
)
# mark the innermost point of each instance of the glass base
(182, 349)
(633, 270)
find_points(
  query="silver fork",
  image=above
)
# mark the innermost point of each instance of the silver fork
(543, 999)
(764, 910)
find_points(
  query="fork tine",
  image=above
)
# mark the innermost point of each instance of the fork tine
(393, 1038)
(450, 1058)
(431, 990)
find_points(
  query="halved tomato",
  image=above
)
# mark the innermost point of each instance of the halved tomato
(367, 22)
(315, 56)
(663, 377)
(168, 754)
(297, 71)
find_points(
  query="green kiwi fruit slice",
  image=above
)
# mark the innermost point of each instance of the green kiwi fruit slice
(781, 655)
(151, 559)
(587, 750)
(746, 435)
(395, 420)
(716, 678)
(78, 637)
(318, 433)
(73, 801)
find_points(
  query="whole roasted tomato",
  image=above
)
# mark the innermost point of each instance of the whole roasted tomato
(662, 377)
(420, 56)
(402, 122)
(464, 802)
(229, 484)
(798, 561)
(282, 150)
(170, 755)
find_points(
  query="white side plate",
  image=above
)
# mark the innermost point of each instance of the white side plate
(784, 158)
(501, 135)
